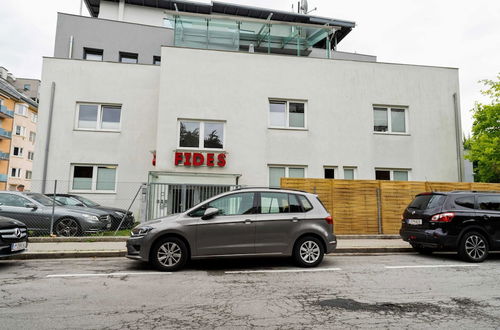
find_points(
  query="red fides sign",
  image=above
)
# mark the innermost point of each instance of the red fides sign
(199, 159)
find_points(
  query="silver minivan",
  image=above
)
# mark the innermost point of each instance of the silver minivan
(244, 222)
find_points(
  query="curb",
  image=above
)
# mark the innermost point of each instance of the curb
(368, 236)
(88, 239)
(122, 253)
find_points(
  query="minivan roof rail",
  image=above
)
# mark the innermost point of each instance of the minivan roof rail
(271, 188)
(476, 191)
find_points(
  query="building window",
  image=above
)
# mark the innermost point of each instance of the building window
(21, 109)
(287, 114)
(99, 117)
(394, 175)
(329, 172)
(94, 178)
(34, 117)
(156, 60)
(29, 174)
(20, 130)
(27, 87)
(128, 57)
(15, 172)
(278, 172)
(390, 120)
(349, 173)
(17, 151)
(32, 137)
(201, 134)
(91, 54)
(31, 155)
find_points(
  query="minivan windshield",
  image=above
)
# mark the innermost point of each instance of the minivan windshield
(424, 202)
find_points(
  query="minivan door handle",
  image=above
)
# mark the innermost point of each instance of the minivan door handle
(248, 221)
(486, 216)
(295, 219)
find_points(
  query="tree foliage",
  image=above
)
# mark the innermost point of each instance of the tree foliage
(484, 144)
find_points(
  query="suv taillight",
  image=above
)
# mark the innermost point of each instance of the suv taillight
(443, 217)
(329, 220)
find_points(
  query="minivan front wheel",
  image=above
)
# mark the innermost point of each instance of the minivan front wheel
(169, 254)
(308, 252)
(473, 247)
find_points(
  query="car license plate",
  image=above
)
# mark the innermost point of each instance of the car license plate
(108, 226)
(18, 246)
(414, 222)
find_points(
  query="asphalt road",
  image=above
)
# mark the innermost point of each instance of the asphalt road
(346, 291)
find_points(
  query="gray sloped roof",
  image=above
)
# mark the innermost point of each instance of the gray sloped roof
(12, 91)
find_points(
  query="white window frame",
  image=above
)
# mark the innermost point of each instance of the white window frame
(391, 170)
(18, 172)
(202, 134)
(23, 106)
(334, 168)
(93, 189)
(287, 169)
(30, 175)
(354, 172)
(22, 131)
(34, 117)
(32, 154)
(389, 119)
(20, 151)
(99, 117)
(287, 114)
(32, 136)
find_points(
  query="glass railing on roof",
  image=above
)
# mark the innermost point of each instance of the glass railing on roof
(209, 32)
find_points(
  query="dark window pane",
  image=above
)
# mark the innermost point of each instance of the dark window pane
(467, 202)
(274, 203)
(128, 57)
(297, 118)
(92, 54)
(82, 177)
(305, 203)
(214, 135)
(381, 123)
(329, 173)
(189, 134)
(156, 60)
(491, 203)
(382, 175)
(294, 203)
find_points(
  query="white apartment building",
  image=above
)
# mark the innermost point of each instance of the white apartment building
(178, 92)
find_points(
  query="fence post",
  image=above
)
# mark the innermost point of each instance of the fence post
(128, 209)
(53, 208)
(379, 211)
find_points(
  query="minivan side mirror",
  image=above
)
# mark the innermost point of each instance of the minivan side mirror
(210, 213)
(30, 206)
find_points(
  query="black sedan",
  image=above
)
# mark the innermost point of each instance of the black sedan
(117, 214)
(13, 237)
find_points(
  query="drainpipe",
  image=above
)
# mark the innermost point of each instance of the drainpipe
(458, 135)
(70, 53)
(121, 9)
(47, 143)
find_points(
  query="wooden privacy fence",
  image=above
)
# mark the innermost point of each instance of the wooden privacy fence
(370, 206)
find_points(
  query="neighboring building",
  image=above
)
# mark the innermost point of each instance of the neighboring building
(231, 94)
(19, 116)
(29, 87)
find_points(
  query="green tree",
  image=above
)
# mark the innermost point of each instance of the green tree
(484, 144)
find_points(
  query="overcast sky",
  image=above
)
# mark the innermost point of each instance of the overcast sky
(454, 33)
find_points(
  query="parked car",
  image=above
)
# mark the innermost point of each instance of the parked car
(245, 222)
(35, 211)
(117, 214)
(13, 237)
(463, 221)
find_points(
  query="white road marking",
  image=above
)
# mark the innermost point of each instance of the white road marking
(107, 274)
(282, 270)
(429, 266)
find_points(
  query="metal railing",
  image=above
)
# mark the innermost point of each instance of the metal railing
(4, 110)
(4, 133)
(4, 156)
(3, 177)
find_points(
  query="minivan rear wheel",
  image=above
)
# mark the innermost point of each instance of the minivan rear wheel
(169, 254)
(308, 252)
(473, 247)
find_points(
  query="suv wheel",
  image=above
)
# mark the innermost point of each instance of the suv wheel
(169, 254)
(422, 250)
(308, 252)
(473, 247)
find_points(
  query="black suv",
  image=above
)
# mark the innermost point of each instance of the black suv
(463, 221)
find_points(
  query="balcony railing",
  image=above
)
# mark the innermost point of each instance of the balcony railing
(5, 112)
(5, 134)
(4, 156)
(3, 177)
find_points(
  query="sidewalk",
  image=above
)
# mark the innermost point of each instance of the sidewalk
(115, 247)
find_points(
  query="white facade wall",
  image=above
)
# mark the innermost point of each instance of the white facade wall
(236, 87)
(132, 13)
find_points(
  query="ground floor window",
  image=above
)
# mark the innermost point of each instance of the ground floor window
(15, 172)
(94, 178)
(329, 172)
(394, 175)
(278, 172)
(349, 173)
